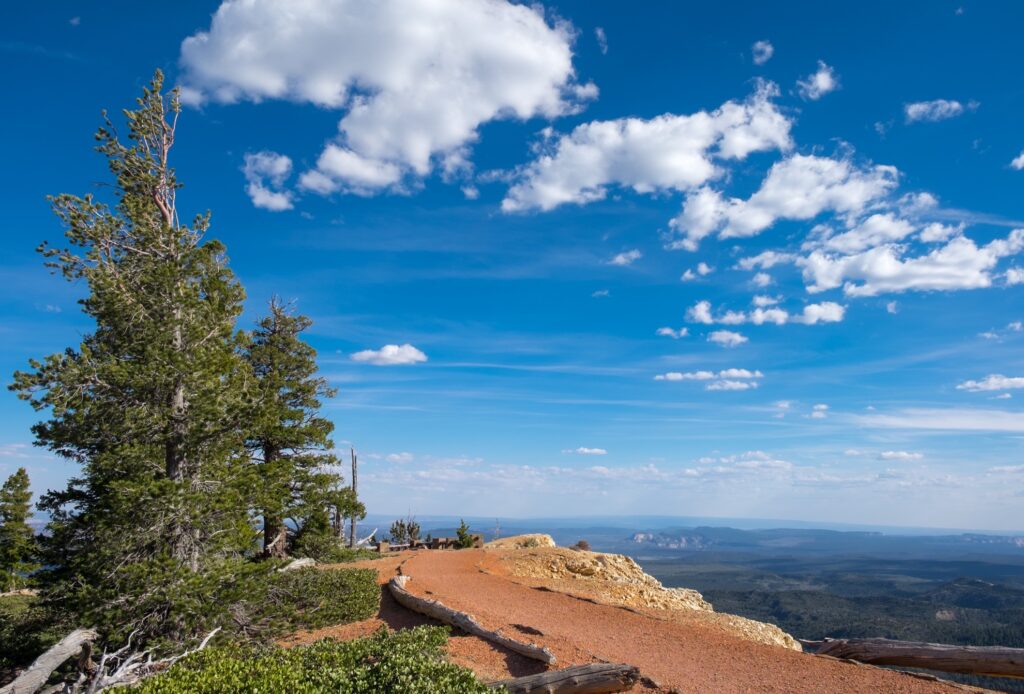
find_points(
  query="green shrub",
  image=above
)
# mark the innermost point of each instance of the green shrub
(26, 630)
(251, 600)
(407, 662)
(339, 555)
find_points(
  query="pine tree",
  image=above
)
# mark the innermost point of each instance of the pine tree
(152, 405)
(17, 541)
(289, 439)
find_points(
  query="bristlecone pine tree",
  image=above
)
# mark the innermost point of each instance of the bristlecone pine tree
(17, 541)
(153, 405)
(289, 440)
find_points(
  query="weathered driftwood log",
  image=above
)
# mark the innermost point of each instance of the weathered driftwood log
(597, 678)
(466, 622)
(977, 660)
(35, 677)
(295, 564)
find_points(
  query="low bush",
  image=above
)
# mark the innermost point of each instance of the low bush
(406, 662)
(339, 555)
(582, 545)
(25, 632)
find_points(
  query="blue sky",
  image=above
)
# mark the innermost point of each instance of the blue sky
(715, 259)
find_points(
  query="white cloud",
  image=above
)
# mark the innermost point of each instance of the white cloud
(602, 40)
(765, 260)
(1018, 161)
(674, 334)
(731, 385)
(704, 269)
(960, 264)
(819, 83)
(391, 355)
(892, 307)
(940, 232)
(762, 52)
(265, 175)
(875, 230)
(993, 382)
(762, 280)
(414, 78)
(688, 276)
(900, 455)
(1007, 469)
(727, 338)
(1014, 275)
(1016, 326)
(819, 411)
(583, 450)
(762, 301)
(766, 312)
(948, 420)
(724, 380)
(404, 457)
(825, 312)
(601, 294)
(626, 258)
(800, 188)
(75, 21)
(667, 153)
(936, 110)
(700, 313)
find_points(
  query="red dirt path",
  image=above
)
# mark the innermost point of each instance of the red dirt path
(679, 656)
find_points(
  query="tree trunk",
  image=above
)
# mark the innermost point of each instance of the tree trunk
(466, 622)
(275, 534)
(35, 677)
(275, 537)
(976, 660)
(596, 678)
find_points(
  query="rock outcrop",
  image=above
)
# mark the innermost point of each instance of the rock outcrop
(617, 579)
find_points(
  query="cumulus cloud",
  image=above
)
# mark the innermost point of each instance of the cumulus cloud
(892, 307)
(1018, 161)
(667, 153)
(727, 338)
(819, 83)
(673, 333)
(936, 110)
(762, 280)
(799, 188)
(1014, 276)
(602, 40)
(724, 380)
(993, 382)
(391, 355)
(626, 258)
(819, 411)
(414, 79)
(583, 450)
(265, 176)
(959, 264)
(762, 52)
(900, 455)
(767, 312)
(403, 457)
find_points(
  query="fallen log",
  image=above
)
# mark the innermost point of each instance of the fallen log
(466, 622)
(597, 678)
(39, 671)
(972, 660)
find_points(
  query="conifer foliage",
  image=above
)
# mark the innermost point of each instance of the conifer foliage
(289, 440)
(185, 429)
(17, 541)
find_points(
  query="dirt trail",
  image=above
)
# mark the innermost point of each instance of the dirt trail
(685, 656)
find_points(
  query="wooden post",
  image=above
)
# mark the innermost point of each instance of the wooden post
(464, 621)
(596, 678)
(352, 531)
(977, 660)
